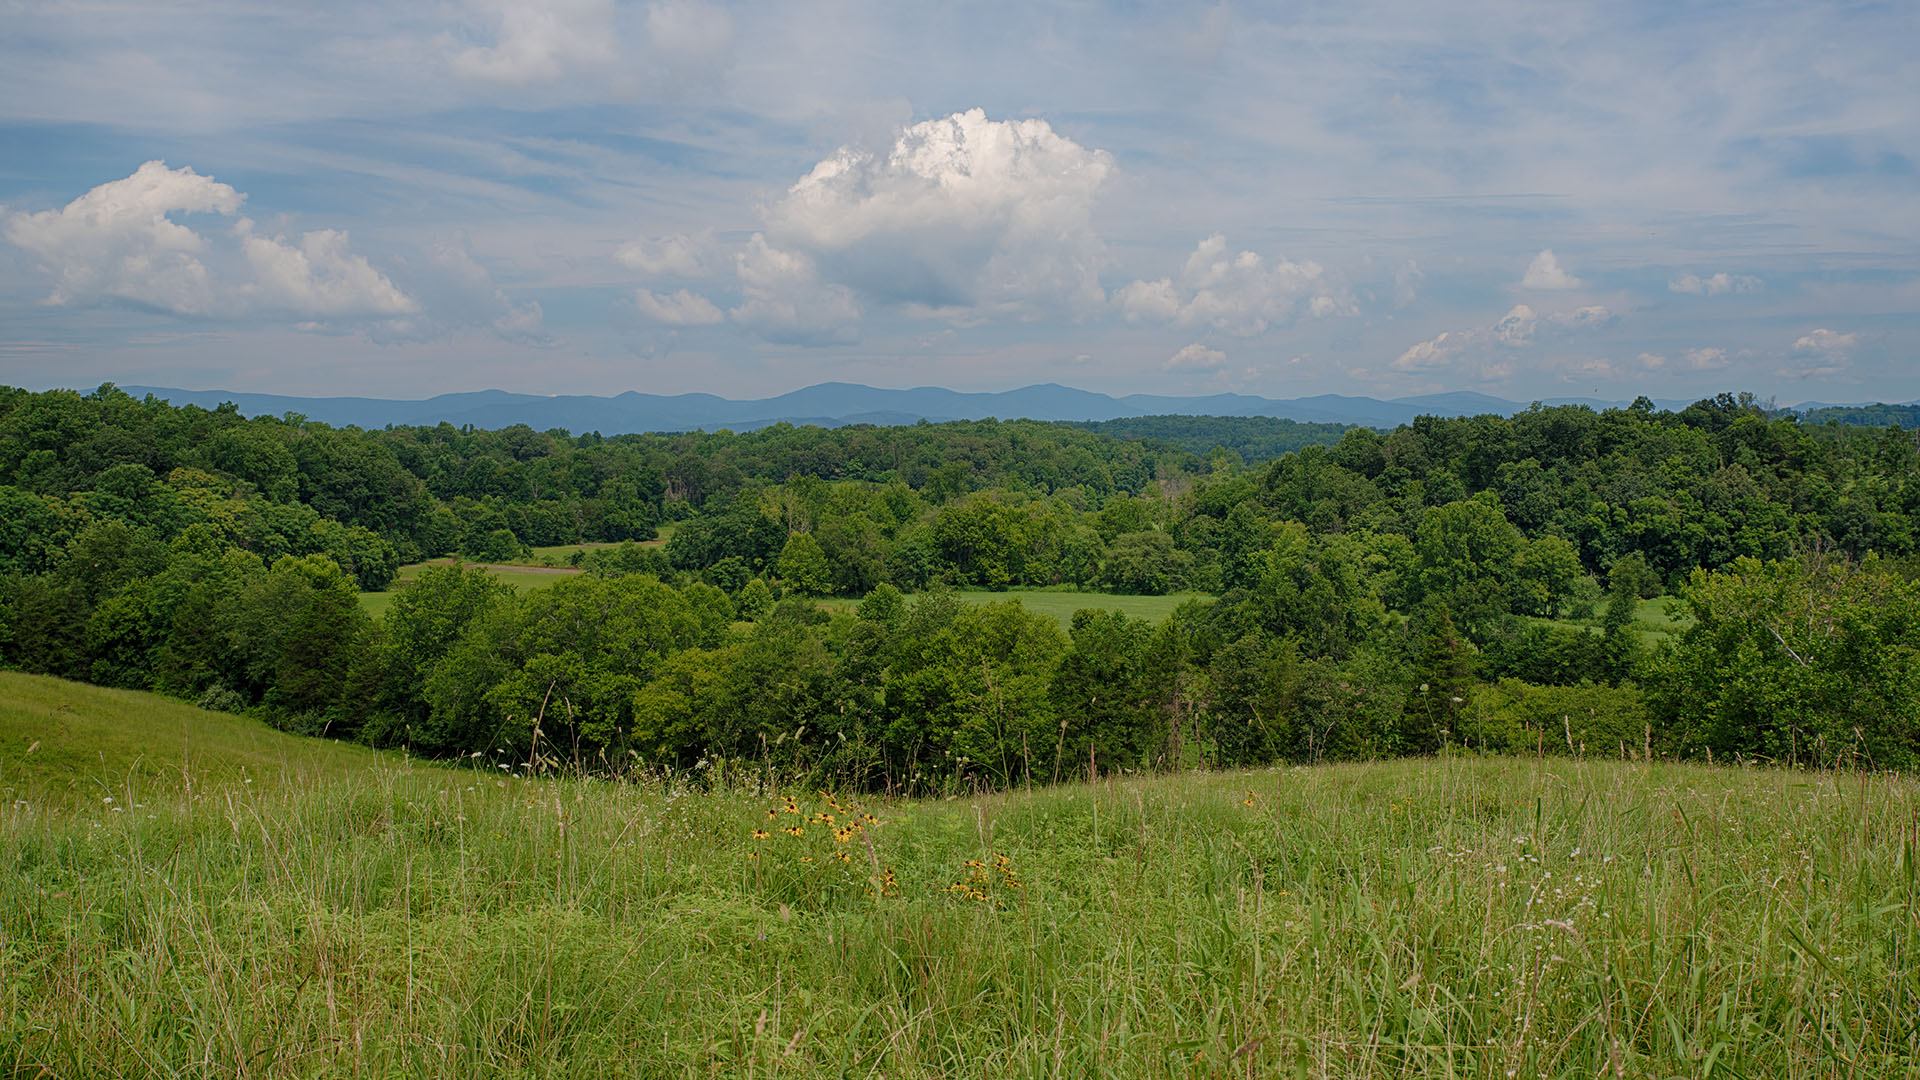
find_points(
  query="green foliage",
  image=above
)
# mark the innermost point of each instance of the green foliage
(1795, 661)
(1145, 564)
(1465, 556)
(755, 599)
(803, 567)
(1515, 717)
(205, 555)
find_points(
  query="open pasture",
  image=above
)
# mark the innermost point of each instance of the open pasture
(349, 913)
(1061, 605)
(516, 575)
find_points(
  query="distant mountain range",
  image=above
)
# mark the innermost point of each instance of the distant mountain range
(839, 404)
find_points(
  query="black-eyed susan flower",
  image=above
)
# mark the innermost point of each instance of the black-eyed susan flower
(759, 834)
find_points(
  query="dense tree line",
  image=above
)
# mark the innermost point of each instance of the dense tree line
(1453, 582)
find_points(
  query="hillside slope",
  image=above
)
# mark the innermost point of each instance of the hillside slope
(64, 742)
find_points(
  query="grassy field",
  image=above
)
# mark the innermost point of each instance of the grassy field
(520, 577)
(542, 568)
(1653, 623)
(351, 914)
(1062, 605)
(64, 744)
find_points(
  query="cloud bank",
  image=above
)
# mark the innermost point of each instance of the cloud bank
(119, 241)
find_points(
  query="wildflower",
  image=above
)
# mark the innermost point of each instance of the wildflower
(771, 814)
(753, 854)
(759, 834)
(843, 856)
(794, 830)
(843, 835)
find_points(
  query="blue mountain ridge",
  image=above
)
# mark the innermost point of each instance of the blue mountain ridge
(835, 404)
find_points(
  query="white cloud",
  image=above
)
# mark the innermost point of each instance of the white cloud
(118, 242)
(784, 300)
(538, 41)
(680, 255)
(1544, 272)
(1652, 361)
(960, 213)
(1237, 293)
(1706, 358)
(1196, 357)
(1516, 327)
(1718, 285)
(1826, 341)
(1484, 352)
(1823, 352)
(683, 308)
(599, 45)
(317, 276)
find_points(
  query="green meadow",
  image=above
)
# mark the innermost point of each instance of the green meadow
(189, 894)
(1061, 605)
(520, 577)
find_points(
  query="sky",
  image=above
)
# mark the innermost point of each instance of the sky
(1531, 200)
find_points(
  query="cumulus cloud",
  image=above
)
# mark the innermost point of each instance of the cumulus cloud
(783, 298)
(962, 214)
(1823, 352)
(1706, 358)
(1544, 272)
(119, 242)
(1239, 293)
(316, 276)
(1485, 351)
(1717, 285)
(683, 308)
(681, 255)
(1196, 357)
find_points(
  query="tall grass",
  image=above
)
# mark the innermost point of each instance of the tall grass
(1452, 917)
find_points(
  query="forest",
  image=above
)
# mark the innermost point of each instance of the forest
(1471, 584)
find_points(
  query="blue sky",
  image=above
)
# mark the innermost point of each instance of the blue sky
(591, 196)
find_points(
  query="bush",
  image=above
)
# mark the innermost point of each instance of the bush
(1512, 717)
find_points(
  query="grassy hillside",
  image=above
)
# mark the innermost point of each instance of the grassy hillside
(69, 743)
(1455, 917)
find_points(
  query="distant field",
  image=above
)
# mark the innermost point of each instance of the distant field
(1062, 605)
(519, 576)
(348, 913)
(1651, 623)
